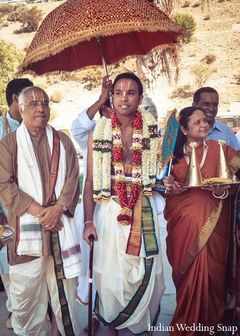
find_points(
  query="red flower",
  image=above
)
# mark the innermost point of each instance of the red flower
(137, 121)
(137, 158)
(124, 219)
(117, 153)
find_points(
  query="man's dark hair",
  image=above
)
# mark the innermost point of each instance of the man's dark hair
(129, 75)
(15, 86)
(197, 94)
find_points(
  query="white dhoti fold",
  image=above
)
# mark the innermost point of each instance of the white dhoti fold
(33, 286)
(30, 231)
(118, 275)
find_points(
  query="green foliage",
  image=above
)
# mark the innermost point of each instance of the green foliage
(237, 79)
(207, 17)
(14, 14)
(10, 59)
(53, 115)
(184, 91)
(202, 72)
(186, 4)
(188, 25)
(5, 10)
(30, 18)
(196, 4)
(205, 4)
(209, 58)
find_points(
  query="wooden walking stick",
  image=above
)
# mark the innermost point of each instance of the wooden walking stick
(90, 279)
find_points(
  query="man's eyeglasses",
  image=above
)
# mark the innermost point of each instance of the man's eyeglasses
(34, 104)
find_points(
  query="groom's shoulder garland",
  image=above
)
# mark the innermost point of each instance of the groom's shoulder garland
(108, 149)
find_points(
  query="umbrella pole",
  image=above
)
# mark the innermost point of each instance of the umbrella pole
(104, 63)
(104, 66)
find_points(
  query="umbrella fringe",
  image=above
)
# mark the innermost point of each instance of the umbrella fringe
(43, 51)
(74, 24)
(168, 54)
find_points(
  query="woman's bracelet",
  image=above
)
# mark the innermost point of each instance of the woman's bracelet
(223, 196)
(87, 222)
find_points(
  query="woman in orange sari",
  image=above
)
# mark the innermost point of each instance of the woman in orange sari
(198, 229)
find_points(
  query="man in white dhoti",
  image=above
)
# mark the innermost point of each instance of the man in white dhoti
(121, 171)
(39, 187)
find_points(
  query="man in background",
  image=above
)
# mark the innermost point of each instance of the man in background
(207, 99)
(9, 123)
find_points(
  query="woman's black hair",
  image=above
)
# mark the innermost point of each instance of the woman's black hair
(184, 116)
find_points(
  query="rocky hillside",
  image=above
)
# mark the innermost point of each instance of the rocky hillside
(217, 44)
(212, 57)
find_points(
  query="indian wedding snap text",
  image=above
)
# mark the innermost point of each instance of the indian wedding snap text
(194, 327)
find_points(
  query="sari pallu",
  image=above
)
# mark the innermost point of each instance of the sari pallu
(197, 242)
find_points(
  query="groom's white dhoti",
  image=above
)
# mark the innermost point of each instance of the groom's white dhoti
(129, 287)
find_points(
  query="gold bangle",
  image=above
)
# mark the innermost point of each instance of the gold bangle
(223, 196)
(226, 194)
(87, 222)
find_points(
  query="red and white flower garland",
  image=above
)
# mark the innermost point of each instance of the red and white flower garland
(108, 149)
(126, 201)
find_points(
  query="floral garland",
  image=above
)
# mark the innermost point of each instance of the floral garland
(127, 202)
(108, 148)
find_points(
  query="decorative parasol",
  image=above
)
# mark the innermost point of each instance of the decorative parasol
(81, 33)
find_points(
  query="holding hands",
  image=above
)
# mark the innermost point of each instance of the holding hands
(49, 217)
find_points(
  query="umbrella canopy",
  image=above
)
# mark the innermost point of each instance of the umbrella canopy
(80, 33)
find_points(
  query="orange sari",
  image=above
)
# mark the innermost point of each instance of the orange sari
(197, 241)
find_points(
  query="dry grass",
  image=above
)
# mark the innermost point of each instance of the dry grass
(213, 37)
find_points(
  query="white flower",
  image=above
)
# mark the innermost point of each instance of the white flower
(105, 138)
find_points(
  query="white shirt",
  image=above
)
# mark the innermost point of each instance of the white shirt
(81, 127)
